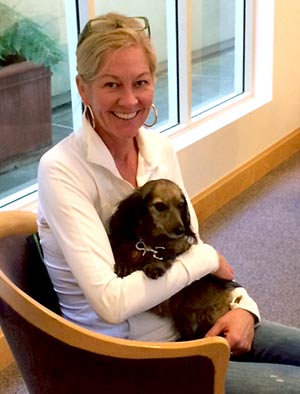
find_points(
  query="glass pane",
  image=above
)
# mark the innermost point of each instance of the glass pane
(35, 110)
(161, 23)
(217, 52)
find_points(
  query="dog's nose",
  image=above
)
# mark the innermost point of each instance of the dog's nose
(179, 231)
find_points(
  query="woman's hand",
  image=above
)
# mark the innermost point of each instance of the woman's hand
(237, 326)
(225, 271)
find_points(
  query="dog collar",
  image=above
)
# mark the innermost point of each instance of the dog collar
(140, 245)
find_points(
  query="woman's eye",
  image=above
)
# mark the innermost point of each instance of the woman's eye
(112, 85)
(142, 83)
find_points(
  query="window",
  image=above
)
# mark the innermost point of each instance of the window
(205, 52)
(217, 58)
(31, 118)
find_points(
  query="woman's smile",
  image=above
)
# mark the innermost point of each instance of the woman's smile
(125, 116)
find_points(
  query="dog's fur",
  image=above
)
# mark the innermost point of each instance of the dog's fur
(147, 231)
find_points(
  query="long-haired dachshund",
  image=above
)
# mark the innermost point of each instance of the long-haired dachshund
(147, 231)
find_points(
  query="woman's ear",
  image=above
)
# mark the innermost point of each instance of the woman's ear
(82, 89)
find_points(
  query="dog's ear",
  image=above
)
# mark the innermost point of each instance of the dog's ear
(186, 218)
(127, 215)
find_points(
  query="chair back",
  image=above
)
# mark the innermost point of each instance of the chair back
(57, 356)
(29, 274)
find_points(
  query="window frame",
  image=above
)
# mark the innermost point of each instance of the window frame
(258, 91)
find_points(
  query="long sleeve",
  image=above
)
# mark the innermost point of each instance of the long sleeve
(242, 300)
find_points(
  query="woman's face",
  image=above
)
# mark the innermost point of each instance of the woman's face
(121, 95)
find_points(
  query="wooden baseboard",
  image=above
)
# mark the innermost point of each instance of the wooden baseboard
(6, 357)
(230, 186)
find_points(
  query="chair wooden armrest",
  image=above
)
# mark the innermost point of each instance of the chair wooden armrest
(17, 222)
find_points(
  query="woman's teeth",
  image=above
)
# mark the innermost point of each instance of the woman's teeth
(125, 116)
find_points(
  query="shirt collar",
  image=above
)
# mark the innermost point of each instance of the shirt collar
(150, 150)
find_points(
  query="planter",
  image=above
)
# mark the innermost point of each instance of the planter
(25, 109)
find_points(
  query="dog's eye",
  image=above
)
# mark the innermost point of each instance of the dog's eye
(181, 205)
(160, 206)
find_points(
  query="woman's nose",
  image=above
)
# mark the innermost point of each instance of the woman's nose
(128, 97)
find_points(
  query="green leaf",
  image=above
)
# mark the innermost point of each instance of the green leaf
(22, 38)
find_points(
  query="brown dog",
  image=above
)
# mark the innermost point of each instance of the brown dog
(148, 230)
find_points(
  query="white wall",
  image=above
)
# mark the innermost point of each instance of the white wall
(210, 159)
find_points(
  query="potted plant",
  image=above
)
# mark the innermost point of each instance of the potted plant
(27, 55)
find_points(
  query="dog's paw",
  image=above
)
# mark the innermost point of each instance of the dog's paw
(122, 271)
(155, 271)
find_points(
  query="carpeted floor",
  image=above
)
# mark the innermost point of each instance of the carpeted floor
(259, 234)
(11, 381)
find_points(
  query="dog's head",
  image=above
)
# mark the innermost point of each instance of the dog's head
(158, 209)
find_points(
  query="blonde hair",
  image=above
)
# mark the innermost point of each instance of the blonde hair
(108, 33)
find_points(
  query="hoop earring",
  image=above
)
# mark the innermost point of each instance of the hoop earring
(89, 115)
(155, 117)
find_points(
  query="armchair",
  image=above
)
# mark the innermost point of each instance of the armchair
(57, 356)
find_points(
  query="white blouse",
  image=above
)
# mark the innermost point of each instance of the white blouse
(79, 186)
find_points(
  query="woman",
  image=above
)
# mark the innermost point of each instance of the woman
(83, 178)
